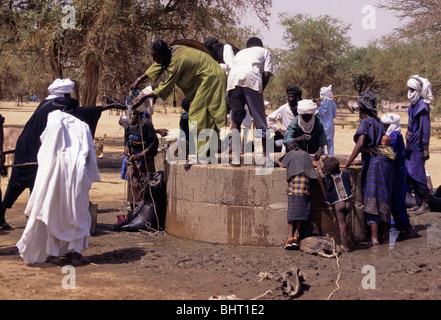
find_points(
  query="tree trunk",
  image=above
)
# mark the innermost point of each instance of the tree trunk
(91, 73)
(54, 60)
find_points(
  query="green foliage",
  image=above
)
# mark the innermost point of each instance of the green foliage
(109, 45)
(315, 50)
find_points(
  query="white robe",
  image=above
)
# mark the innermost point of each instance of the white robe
(58, 208)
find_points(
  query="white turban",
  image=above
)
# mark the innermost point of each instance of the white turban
(59, 88)
(306, 107)
(422, 87)
(326, 92)
(393, 120)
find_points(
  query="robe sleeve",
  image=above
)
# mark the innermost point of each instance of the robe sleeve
(424, 120)
(155, 71)
(166, 87)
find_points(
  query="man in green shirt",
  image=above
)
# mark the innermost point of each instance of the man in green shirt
(307, 130)
(202, 80)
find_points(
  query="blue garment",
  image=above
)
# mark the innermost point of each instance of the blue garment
(328, 112)
(399, 184)
(419, 129)
(377, 171)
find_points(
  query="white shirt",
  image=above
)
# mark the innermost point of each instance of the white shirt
(283, 115)
(228, 56)
(249, 64)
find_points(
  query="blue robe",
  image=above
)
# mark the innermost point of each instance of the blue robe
(377, 170)
(419, 128)
(328, 112)
(399, 187)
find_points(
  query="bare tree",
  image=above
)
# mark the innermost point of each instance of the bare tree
(416, 16)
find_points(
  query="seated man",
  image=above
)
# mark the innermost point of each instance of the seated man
(285, 115)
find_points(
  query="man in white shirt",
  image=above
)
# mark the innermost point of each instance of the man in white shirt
(280, 119)
(247, 80)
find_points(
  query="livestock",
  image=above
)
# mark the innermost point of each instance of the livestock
(10, 136)
(99, 146)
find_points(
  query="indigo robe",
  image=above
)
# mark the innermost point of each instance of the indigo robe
(399, 189)
(419, 129)
(377, 170)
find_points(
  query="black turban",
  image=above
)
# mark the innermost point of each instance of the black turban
(185, 104)
(216, 48)
(163, 51)
(367, 102)
(294, 90)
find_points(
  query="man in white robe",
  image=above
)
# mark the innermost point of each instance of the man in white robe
(58, 208)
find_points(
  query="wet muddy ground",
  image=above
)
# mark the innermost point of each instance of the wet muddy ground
(146, 266)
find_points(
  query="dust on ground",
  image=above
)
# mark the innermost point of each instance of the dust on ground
(147, 266)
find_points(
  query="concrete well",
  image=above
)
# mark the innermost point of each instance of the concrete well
(237, 206)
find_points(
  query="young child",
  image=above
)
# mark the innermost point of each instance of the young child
(299, 171)
(385, 140)
(338, 194)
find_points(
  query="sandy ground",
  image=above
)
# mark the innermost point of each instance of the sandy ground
(142, 266)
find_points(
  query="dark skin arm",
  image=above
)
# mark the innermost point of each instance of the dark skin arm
(115, 105)
(140, 100)
(356, 151)
(138, 80)
(265, 79)
(319, 153)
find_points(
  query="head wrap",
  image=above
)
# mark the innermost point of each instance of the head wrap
(254, 42)
(185, 104)
(326, 92)
(422, 87)
(393, 120)
(163, 51)
(59, 88)
(368, 104)
(294, 90)
(216, 48)
(306, 107)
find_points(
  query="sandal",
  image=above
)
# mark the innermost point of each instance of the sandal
(77, 259)
(291, 244)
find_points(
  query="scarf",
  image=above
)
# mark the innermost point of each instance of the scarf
(326, 93)
(59, 88)
(306, 107)
(393, 120)
(422, 87)
(367, 102)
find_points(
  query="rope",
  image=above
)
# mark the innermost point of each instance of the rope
(338, 268)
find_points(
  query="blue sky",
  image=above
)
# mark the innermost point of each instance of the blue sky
(363, 28)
